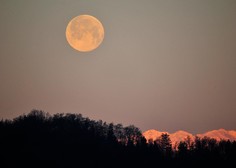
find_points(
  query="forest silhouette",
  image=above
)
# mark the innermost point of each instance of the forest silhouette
(38, 139)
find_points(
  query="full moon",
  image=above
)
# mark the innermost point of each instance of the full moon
(84, 33)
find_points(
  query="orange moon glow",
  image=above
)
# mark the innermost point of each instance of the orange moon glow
(84, 33)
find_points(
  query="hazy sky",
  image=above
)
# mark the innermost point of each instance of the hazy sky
(163, 64)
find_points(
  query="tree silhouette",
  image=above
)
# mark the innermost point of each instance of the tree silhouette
(38, 139)
(165, 144)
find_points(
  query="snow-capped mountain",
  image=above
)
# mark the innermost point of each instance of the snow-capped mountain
(175, 137)
(152, 134)
(178, 136)
(220, 134)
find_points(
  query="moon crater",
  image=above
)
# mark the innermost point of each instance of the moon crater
(84, 33)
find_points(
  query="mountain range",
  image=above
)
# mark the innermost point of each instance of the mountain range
(176, 137)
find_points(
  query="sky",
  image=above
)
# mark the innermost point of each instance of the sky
(163, 64)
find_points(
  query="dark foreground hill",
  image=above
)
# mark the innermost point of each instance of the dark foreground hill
(71, 140)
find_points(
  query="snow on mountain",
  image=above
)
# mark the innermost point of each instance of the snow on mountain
(175, 137)
(220, 134)
(178, 136)
(232, 133)
(152, 134)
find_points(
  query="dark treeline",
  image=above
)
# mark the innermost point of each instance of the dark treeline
(71, 140)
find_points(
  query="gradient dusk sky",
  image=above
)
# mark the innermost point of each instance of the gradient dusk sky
(163, 64)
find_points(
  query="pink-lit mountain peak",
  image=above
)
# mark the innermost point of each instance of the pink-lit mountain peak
(180, 136)
(153, 134)
(232, 133)
(176, 137)
(220, 134)
(181, 133)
